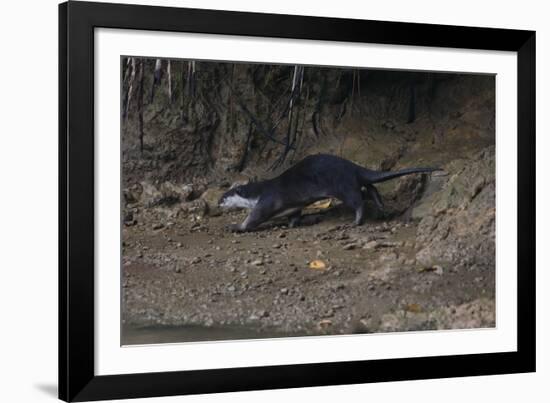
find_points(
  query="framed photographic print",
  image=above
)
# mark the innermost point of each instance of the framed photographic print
(253, 201)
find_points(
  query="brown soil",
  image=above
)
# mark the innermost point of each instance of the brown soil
(199, 273)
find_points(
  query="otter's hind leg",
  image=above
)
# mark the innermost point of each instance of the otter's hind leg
(354, 200)
(372, 193)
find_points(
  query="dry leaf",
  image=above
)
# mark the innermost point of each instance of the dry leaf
(414, 308)
(324, 323)
(317, 265)
(323, 204)
(320, 205)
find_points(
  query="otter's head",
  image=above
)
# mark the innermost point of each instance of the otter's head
(239, 197)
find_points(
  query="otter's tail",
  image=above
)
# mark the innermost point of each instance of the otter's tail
(382, 176)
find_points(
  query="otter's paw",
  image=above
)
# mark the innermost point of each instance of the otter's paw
(235, 228)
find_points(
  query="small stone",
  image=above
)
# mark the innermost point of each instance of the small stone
(438, 269)
(277, 246)
(350, 246)
(284, 291)
(371, 245)
(390, 244)
(257, 262)
(158, 226)
(195, 260)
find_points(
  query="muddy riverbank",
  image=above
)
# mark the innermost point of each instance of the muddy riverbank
(191, 271)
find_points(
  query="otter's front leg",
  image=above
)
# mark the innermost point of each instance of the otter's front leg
(295, 218)
(260, 213)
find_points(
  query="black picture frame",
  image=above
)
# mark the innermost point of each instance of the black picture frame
(77, 21)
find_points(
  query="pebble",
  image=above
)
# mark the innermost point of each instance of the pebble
(371, 245)
(257, 262)
(390, 244)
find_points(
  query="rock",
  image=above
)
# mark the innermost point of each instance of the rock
(197, 207)
(350, 246)
(257, 262)
(390, 244)
(129, 219)
(132, 194)
(458, 221)
(158, 225)
(150, 195)
(438, 269)
(211, 197)
(388, 257)
(371, 245)
(175, 193)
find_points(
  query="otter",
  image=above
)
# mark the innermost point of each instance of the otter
(314, 178)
